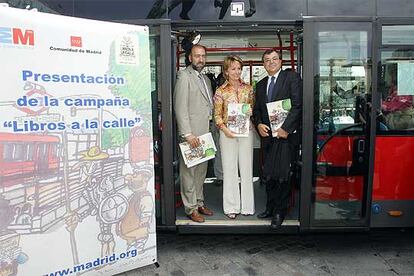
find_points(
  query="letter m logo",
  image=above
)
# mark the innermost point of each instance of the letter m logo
(23, 38)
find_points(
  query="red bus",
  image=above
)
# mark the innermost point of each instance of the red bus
(358, 122)
(27, 155)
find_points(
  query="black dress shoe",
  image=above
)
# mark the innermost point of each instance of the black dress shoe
(277, 221)
(264, 215)
(217, 3)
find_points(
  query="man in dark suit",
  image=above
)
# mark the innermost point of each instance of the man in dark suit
(278, 152)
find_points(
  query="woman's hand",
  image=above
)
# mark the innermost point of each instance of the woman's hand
(227, 132)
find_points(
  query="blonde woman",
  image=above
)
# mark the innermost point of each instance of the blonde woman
(236, 152)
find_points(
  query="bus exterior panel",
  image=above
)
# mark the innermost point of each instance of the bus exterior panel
(338, 176)
(393, 189)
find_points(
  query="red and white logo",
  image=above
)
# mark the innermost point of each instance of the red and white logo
(76, 41)
(37, 93)
(16, 36)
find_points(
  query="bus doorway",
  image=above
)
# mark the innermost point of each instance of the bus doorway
(248, 42)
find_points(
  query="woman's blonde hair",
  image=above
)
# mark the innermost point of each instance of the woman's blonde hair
(228, 61)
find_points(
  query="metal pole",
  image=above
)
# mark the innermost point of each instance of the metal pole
(71, 229)
(292, 51)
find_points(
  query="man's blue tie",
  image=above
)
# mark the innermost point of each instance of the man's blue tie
(270, 90)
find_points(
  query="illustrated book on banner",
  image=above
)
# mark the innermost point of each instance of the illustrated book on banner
(238, 119)
(278, 112)
(204, 152)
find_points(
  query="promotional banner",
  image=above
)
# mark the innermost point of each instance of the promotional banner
(76, 158)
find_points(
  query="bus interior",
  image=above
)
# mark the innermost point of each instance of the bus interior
(249, 43)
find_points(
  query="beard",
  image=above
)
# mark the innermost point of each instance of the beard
(198, 66)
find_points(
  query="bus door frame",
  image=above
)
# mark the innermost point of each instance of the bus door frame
(308, 154)
(164, 84)
(213, 27)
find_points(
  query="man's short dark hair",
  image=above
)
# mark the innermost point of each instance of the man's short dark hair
(269, 51)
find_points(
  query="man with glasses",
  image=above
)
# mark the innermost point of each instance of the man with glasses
(278, 152)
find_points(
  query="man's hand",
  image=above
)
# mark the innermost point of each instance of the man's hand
(281, 133)
(193, 140)
(263, 130)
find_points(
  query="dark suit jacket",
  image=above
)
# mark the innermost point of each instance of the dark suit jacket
(288, 85)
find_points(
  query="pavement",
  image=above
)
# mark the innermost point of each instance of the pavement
(378, 252)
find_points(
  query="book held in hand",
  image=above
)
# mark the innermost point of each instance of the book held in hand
(278, 112)
(194, 156)
(238, 119)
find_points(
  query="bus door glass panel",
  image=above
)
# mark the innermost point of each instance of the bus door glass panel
(395, 121)
(343, 84)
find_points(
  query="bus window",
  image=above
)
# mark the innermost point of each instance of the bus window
(19, 152)
(54, 150)
(397, 90)
(398, 35)
(14, 152)
(7, 152)
(30, 151)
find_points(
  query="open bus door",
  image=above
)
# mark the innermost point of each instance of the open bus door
(338, 137)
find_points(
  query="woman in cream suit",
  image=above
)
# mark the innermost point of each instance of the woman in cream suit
(236, 152)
